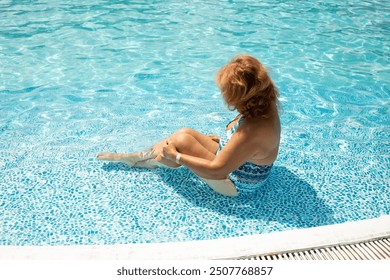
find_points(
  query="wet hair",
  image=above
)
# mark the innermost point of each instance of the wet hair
(247, 87)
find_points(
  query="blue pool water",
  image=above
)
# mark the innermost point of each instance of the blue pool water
(77, 79)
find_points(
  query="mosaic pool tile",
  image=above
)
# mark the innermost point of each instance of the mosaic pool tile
(104, 78)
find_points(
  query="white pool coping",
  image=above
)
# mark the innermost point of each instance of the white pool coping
(251, 245)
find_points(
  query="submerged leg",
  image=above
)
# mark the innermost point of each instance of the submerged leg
(188, 141)
(129, 159)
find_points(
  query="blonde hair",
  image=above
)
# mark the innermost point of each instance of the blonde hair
(247, 87)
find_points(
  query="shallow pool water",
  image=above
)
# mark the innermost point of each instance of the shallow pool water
(77, 79)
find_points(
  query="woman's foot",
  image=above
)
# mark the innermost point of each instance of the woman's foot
(129, 159)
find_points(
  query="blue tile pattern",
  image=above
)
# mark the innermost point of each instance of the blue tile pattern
(90, 77)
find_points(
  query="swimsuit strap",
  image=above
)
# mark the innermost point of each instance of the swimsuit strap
(235, 127)
(233, 120)
(241, 119)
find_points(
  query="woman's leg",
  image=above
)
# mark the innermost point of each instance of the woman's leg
(190, 142)
(186, 140)
(129, 159)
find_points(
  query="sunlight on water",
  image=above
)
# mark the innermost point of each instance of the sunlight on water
(77, 78)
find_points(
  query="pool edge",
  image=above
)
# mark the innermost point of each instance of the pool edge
(235, 247)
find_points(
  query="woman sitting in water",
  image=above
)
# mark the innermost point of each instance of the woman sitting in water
(239, 162)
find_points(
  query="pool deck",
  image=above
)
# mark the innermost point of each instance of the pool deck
(291, 244)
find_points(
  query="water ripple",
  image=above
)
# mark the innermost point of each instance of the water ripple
(78, 78)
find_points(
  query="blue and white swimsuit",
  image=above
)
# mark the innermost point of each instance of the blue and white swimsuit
(249, 176)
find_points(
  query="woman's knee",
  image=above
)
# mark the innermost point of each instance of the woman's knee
(185, 130)
(182, 138)
(181, 135)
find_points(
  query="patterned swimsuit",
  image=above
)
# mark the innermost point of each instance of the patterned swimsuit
(249, 176)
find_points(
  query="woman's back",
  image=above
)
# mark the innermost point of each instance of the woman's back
(263, 132)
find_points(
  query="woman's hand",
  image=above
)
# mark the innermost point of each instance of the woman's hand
(169, 151)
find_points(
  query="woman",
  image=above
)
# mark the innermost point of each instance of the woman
(240, 162)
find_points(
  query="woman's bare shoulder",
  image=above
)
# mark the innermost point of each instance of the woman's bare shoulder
(263, 126)
(264, 134)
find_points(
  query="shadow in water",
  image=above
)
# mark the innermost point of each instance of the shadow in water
(285, 198)
(111, 166)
